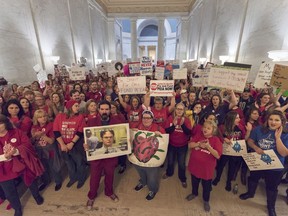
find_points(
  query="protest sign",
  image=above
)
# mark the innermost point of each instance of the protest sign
(134, 68)
(132, 85)
(279, 77)
(161, 88)
(159, 73)
(180, 73)
(228, 77)
(77, 73)
(237, 148)
(42, 77)
(191, 66)
(100, 147)
(200, 78)
(266, 161)
(149, 149)
(146, 66)
(264, 75)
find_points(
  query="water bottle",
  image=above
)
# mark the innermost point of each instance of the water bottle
(235, 189)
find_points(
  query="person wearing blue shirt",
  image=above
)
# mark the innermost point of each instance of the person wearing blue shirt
(272, 135)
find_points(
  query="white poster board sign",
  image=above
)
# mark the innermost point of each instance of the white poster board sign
(134, 68)
(264, 75)
(180, 73)
(191, 66)
(111, 70)
(159, 73)
(201, 77)
(228, 77)
(132, 85)
(266, 161)
(77, 73)
(149, 149)
(146, 66)
(161, 88)
(237, 148)
(42, 77)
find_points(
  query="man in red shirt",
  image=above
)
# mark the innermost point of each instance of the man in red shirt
(94, 93)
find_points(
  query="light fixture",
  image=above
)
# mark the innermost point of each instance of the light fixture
(223, 58)
(278, 55)
(55, 59)
(202, 60)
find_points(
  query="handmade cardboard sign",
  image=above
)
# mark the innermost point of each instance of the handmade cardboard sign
(148, 149)
(279, 77)
(180, 73)
(159, 73)
(132, 85)
(264, 75)
(237, 148)
(266, 161)
(77, 73)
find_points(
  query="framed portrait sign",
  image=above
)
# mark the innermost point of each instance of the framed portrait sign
(107, 141)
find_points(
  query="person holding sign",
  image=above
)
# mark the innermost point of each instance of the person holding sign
(206, 149)
(272, 135)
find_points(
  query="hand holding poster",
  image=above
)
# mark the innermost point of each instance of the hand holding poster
(266, 161)
(180, 73)
(159, 73)
(132, 85)
(77, 73)
(149, 149)
(264, 74)
(107, 141)
(280, 77)
(228, 77)
(237, 148)
(146, 68)
(161, 88)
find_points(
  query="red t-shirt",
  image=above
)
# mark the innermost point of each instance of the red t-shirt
(160, 116)
(24, 124)
(134, 116)
(68, 127)
(202, 163)
(178, 138)
(47, 129)
(153, 127)
(97, 96)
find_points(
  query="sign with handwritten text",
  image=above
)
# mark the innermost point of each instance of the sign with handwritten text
(280, 77)
(236, 148)
(180, 73)
(132, 85)
(264, 75)
(159, 73)
(266, 161)
(161, 88)
(146, 66)
(228, 77)
(201, 77)
(77, 73)
(134, 68)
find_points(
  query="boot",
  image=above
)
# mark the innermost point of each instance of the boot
(271, 200)
(252, 186)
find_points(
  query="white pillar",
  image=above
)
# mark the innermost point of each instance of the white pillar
(161, 29)
(134, 43)
(111, 39)
(146, 50)
(183, 37)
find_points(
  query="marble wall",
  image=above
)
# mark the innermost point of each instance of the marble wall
(31, 31)
(245, 30)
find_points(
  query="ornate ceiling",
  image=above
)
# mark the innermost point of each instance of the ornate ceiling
(146, 6)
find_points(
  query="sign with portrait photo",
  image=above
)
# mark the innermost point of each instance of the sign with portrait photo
(107, 141)
(266, 161)
(148, 149)
(237, 148)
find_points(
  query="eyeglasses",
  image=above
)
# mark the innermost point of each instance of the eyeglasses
(146, 118)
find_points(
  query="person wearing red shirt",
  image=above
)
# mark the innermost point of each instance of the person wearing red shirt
(206, 149)
(148, 175)
(94, 92)
(91, 110)
(107, 165)
(17, 158)
(179, 128)
(68, 131)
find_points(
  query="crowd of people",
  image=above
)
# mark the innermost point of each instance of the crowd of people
(40, 127)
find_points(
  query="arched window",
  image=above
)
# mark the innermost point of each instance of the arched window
(149, 31)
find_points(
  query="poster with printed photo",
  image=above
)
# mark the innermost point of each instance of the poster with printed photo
(266, 161)
(237, 148)
(107, 141)
(161, 88)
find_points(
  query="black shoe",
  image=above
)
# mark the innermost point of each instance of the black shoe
(42, 187)
(245, 196)
(150, 195)
(215, 182)
(228, 186)
(58, 187)
(272, 212)
(18, 212)
(80, 184)
(122, 169)
(139, 187)
(39, 200)
(70, 183)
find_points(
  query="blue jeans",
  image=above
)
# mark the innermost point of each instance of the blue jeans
(180, 152)
(149, 176)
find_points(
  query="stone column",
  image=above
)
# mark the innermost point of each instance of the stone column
(183, 37)
(134, 42)
(146, 50)
(161, 29)
(111, 39)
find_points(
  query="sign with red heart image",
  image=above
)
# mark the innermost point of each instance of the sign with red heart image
(148, 149)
